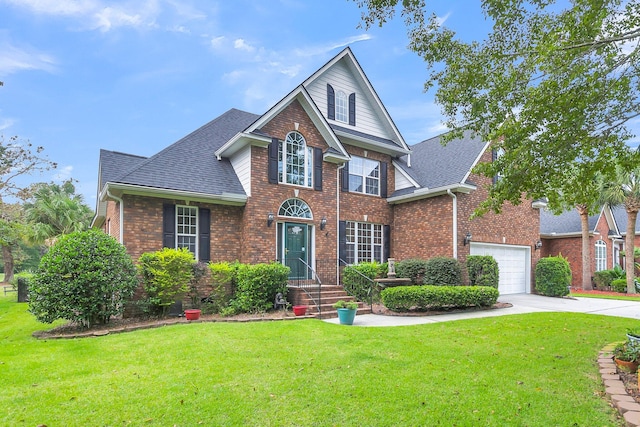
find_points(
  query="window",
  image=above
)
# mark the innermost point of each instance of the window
(601, 255)
(364, 242)
(187, 227)
(295, 161)
(341, 107)
(364, 176)
(295, 208)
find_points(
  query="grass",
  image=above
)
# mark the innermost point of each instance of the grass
(623, 297)
(534, 370)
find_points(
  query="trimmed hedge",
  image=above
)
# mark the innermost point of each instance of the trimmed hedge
(553, 276)
(413, 268)
(443, 271)
(483, 270)
(429, 297)
(257, 286)
(619, 285)
(358, 286)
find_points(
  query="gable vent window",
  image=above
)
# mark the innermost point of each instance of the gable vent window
(341, 107)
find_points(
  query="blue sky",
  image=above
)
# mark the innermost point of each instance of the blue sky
(135, 76)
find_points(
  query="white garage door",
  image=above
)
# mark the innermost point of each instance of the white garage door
(514, 265)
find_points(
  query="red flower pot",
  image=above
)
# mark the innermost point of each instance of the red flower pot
(299, 310)
(192, 314)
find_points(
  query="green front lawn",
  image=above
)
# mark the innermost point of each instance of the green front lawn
(529, 370)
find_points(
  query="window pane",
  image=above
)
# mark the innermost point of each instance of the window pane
(341, 106)
(364, 176)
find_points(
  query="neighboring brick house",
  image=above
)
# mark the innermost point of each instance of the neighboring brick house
(562, 235)
(323, 176)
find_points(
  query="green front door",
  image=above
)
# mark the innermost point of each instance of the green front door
(295, 249)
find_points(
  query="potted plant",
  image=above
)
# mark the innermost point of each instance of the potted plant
(633, 335)
(346, 311)
(626, 357)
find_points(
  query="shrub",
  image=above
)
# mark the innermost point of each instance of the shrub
(165, 276)
(413, 269)
(553, 276)
(483, 270)
(197, 282)
(257, 286)
(619, 285)
(86, 277)
(223, 279)
(358, 279)
(429, 297)
(602, 279)
(443, 271)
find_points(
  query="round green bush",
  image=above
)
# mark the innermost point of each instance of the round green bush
(619, 285)
(553, 276)
(86, 277)
(443, 271)
(483, 270)
(413, 269)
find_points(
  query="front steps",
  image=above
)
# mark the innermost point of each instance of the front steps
(329, 295)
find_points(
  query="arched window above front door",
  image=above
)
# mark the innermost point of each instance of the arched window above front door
(295, 208)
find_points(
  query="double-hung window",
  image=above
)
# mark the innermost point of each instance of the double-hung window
(295, 161)
(363, 242)
(601, 255)
(364, 176)
(187, 228)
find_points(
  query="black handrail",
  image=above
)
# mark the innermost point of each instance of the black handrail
(372, 283)
(305, 280)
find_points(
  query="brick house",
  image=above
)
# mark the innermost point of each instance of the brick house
(322, 178)
(562, 235)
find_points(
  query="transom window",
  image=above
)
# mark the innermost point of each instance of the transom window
(601, 255)
(187, 227)
(342, 113)
(295, 160)
(364, 242)
(295, 208)
(364, 176)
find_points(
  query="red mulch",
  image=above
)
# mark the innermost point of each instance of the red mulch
(577, 291)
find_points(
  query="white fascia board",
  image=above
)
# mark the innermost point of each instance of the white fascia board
(335, 158)
(611, 222)
(380, 147)
(539, 204)
(425, 193)
(400, 168)
(562, 235)
(139, 190)
(238, 142)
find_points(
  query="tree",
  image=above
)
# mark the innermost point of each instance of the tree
(553, 86)
(16, 160)
(56, 210)
(624, 190)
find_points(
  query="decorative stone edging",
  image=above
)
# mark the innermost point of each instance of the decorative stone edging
(615, 390)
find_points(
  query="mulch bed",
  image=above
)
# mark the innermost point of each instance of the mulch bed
(630, 383)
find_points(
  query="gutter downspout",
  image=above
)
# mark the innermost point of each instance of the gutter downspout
(338, 172)
(455, 223)
(121, 220)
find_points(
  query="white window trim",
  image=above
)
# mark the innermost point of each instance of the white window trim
(308, 162)
(195, 236)
(364, 177)
(373, 229)
(601, 255)
(341, 107)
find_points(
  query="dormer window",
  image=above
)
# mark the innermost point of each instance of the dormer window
(341, 107)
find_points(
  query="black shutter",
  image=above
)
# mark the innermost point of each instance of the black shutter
(386, 241)
(331, 102)
(352, 109)
(383, 179)
(342, 240)
(204, 233)
(345, 178)
(317, 169)
(168, 225)
(273, 161)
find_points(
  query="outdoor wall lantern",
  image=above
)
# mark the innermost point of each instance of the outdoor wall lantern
(467, 239)
(270, 218)
(538, 245)
(323, 223)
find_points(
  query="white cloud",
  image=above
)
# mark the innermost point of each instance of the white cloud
(14, 59)
(218, 42)
(6, 123)
(63, 173)
(240, 44)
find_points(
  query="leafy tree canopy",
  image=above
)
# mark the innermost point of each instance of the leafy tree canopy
(554, 86)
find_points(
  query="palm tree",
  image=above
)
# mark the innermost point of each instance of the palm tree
(624, 190)
(56, 210)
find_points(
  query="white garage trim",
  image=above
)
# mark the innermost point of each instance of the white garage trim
(514, 263)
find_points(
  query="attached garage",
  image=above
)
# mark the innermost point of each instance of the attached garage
(514, 263)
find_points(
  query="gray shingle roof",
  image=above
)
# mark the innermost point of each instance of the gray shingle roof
(189, 164)
(567, 222)
(434, 165)
(113, 163)
(621, 218)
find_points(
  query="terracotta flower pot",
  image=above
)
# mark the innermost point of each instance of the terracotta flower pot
(192, 314)
(630, 367)
(300, 310)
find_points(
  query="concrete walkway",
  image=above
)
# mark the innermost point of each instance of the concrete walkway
(522, 303)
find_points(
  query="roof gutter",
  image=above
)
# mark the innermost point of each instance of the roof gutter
(223, 199)
(424, 193)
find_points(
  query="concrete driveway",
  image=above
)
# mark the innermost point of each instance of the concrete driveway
(522, 303)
